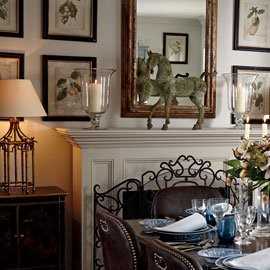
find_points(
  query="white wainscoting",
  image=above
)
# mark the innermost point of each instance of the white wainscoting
(106, 157)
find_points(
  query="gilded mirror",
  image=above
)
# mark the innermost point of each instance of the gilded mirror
(182, 30)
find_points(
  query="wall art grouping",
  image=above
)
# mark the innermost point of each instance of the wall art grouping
(73, 20)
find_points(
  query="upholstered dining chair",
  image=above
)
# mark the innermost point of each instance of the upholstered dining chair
(119, 246)
(171, 202)
(160, 256)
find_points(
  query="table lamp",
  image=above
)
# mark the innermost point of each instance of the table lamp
(18, 98)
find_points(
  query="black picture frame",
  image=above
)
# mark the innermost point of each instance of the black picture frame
(255, 69)
(45, 73)
(19, 33)
(92, 21)
(20, 57)
(186, 36)
(236, 33)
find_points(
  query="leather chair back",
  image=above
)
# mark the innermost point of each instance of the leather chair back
(160, 256)
(171, 202)
(119, 246)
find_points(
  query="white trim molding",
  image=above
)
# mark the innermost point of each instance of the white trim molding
(106, 157)
(137, 137)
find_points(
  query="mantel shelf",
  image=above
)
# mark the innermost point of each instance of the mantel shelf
(86, 138)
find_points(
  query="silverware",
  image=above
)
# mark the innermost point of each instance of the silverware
(201, 245)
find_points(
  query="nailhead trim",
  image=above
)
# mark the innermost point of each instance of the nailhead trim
(129, 239)
(183, 259)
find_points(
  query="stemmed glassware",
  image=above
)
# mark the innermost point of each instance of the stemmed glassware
(199, 205)
(218, 207)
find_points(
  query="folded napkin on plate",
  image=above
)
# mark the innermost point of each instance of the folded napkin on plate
(188, 224)
(259, 260)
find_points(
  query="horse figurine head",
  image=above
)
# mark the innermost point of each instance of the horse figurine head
(153, 60)
(164, 66)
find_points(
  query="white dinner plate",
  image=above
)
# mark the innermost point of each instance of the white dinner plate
(224, 263)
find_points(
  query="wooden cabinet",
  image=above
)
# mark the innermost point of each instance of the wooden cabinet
(32, 230)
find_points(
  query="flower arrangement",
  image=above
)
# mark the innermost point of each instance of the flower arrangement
(252, 160)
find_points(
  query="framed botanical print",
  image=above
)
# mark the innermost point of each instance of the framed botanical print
(252, 25)
(261, 91)
(175, 47)
(62, 93)
(11, 18)
(74, 20)
(11, 66)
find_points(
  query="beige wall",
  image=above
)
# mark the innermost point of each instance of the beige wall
(53, 153)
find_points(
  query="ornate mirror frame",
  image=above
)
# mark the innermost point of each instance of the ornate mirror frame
(128, 108)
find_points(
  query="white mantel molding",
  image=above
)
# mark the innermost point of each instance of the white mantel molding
(106, 157)
(85, 138)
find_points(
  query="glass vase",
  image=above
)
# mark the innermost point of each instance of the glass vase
(241, 210)
(240, 95)
(262, 203)
(244, 193)
(95, 88)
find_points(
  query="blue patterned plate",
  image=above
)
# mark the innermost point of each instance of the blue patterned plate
(215, 253)
(150, 224)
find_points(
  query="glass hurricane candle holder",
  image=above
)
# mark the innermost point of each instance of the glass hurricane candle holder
(240, 95)
(95, 89)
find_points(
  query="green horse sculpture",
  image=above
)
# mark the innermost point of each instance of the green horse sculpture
(168, 88)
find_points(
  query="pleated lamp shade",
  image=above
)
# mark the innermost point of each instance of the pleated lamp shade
(18, 98)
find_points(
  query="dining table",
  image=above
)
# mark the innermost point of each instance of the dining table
(192, 249)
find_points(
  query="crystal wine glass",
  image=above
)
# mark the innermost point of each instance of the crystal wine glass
(199, 205)
(218, 207)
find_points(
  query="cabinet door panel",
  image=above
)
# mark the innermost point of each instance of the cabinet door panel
(8, 240)
(41, 229)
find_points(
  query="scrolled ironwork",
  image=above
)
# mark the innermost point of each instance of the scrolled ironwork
(184, 170)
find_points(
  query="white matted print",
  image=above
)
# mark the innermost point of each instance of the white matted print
(252, 25)
(62, 86)
(11, 18)
(70, 19)
(175, 47)
(11, 66)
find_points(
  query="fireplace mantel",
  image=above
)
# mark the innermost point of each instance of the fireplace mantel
(137, 137)
(107, 157)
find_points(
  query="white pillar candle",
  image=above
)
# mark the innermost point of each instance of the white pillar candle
(264, 126)
(95, 97)
(247, 129)
(240, 102)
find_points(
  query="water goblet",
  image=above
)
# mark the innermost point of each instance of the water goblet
(199, 205)
(218, 207)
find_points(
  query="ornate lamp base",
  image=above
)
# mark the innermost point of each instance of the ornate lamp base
(18, 160)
